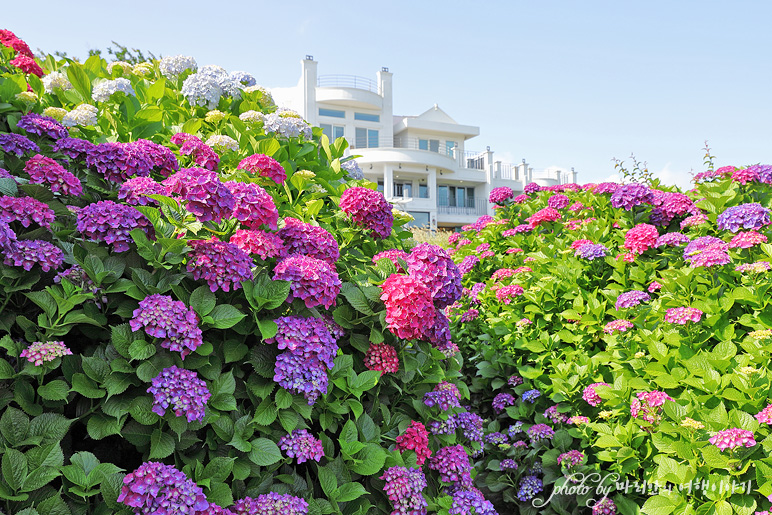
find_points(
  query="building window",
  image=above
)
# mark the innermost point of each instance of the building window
(455, 196)
(366, 138)
(450, 146)
(365, 117)
(332, 132)
(403, 189)
(332, 112)
(432, 145)
(423, 191)
(421, 219)
(380, 185)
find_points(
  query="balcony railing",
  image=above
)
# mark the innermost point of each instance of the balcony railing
(348, 81)
(472, 206)
(469, 159)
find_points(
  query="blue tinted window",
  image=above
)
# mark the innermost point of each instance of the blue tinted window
(332, 112)
(367, 117)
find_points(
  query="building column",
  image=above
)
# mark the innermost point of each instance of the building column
(387, 112)
(308, 80)
(388, 181)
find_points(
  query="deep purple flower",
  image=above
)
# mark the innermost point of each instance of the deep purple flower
(28, 253)
(134, 191)
(604, 507)
(531, 187)
(74, 148)
(271, 503)
(253, 205)
(470, 424)
(530, 396)
(44, 170)
(163, 160)
(496, 438)
(432, 265)
(404, 487)
(221, 264)
(314, 281)
(529, 487)
(310, 240)
(42, 126)
(507, 464)
(182, 391)
(439, 335)
(119, 161)
(17, 144)
(111, 223)
(744, 216)
(445, 395)
(540, 432)
(466, 500)
(452, 464)
(301, 445)
(501, 401)
(25, 210)
(369, 209)
(631, 299)
(206, 196)
(155, 488)
(168, 319)
(627, 196)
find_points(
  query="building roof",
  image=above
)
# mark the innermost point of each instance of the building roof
(435, 119)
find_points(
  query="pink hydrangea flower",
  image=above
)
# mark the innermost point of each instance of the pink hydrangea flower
(264, 244)
(508, 293)
(617, 326)
(641, 238)
(747, 239)
(654, 286)
(410, 311)
(683, 315)
(544, 215)
(264, 166)
(732, 438)
(765, 416)
(589, 394)
(40, 352)
(416, 438)
(648, 405)
(383, 357)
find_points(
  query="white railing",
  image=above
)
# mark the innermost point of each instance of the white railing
(347, 81)
(469, 159)
(472, 206)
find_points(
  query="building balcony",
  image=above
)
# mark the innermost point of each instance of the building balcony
(431, 152)
(471, 207)
(349, 90)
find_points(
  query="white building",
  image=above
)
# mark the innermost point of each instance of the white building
(421, 163)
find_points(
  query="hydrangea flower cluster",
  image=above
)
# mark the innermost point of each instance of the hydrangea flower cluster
(264, 166)
(765, 416)
(203, 155)
(578, 420)
(445, 395)
(759, 267)
(641, 238)
(539, 432)
(452, 464)
(369, 209)
(10, 40)
(222, 143)
(648, 405)
(604, 507)
(106, 89)
(547, 214)
(135, 191)
(27, 65)
(571, 458)
(404, 487)
(119, 161)
(627, 196)
(352, 169)
(111, 223)
(531, 187)
(501, 401)
(591, 251)
(683, 315)
(589, 394)
(17, 144)
(182, 391)
(310, 349)
(171, 321)
(470, 424)
(287, 124)
(416, 438)
(530, 486)
(707, 251)
(253, 206)
(28, 253)
(507, 294)
(158, 489)
(747, 239)
(84, 115)
(221, 264)
(314, 281)
(383, 357)
(507, 464)
(432, 265)
(393, 255)
(672, 239)
(558, 201)
(161, 158)
(173, 66)
(530, 396)
(620, 326)
(264, 244)
(500, 195)
(40, 352)
(42, 126)
(271, 503)
(44, 170)
(310, 240)
(732, 438)
(466, 500)
(467, 264)
(206, 196)
(302, 445)
(631, 299)
(745, 216)
(555, 416)
(410, 312)
(25, 210)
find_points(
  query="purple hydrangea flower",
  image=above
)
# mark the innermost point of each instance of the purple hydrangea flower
(155, 488)
(445, 427)
(182, 391)
(672, 239)
(604, 507)
(253, 205)
(464, 501)
(111, 223)
(627, 196)
(17, 144)
(558, 201)
(39, 352)
(74, 148)
(221, 264)
(445, 395)
(531, 187)
(301, 445)
(163, 160)
(119, 161)
(605, 188)
(467, 264)
(25, 210)
(500, 195)
(404, 487)
(314, 281)
(28, 253)
(135, 191)
(44, 170)
(501, 401)
(630, 299)
(273, 503)
(206, 196)
(507, 464)
(765, 173)
(591, 251)
(452, 464)
(434, 266)
(168, 319)
(530, 396)
(496, 438)
(369, 209)
(744, 216)
(439, 335)
(42, 126)
(471, 425)
(555, 416)
(309, 240)
(529, 487)
(540, 432)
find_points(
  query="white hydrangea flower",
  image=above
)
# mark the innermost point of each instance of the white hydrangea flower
(27, 96)
(57, 113)
(252, 116)
(127, 67)
(243, 78)
(105, 89)
(215, 116)
(142, 69)
(227, 83)
(56, 80)
(287, 126)
(202, 90)
(85, 115)
(221, 142)
(265, 98)
(172, 67)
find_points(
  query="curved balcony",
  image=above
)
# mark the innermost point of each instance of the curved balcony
(349, 90)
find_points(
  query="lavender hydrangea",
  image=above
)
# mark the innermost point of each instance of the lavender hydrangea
(404, 487)
(433, 265)
(672, 239)
(314, 281)
(744, 216)
(222, 265)
(182, 391)
(540, 432)
(301, 445)
(75, 148)
(171, 321)
(352, 169)
(445, 395)
(42, 126)
(310, 240)
(627, 196)
(17, 144)
(501, 401)
(271, 503)
(28, 253)
(110, 222)
(208, 198)
(530, 486)
(158, 489)
(465, 501)
(631, 299)
(368, 209)
(119, 161)
(591, 251)
(530, 396)
(286, 126)
(173, 66)
(452, 464)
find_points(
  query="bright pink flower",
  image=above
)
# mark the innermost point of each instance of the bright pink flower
(546, 214)
(733, 438)
(383, 357)
(746, 240)
(641, 238)
(683, 315)
(264, 166)
(589, 394)
(410, 312)
(415, 437)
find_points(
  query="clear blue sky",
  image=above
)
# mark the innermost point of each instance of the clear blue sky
(562, 83)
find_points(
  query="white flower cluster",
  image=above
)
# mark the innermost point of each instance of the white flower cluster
(226, 82)
(252, 117)
(353, 170)
(56, 80)
(172, 67)
(205, 87)
(220, 143)
(84, 115)
(286, 125)
(142, 69)
(105, 89)
(57, 113)
(127, 68)
(243, 78)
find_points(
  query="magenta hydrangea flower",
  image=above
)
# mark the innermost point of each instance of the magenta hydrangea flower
(264, 244)
(75, 148)
(368, 208)
(501, 401)
(42, 126)
(203, 155)
(683, 315)
(393, 255)
(544, 215)
(163, 160)
(617, 326)
(558, 201)
(25, 210)
(747, 239)
(707, 251)
(301, 445)
(604, 507)
(155, 488)
(589, 394)
(745, 216)
(111, 223)
(452, 464)
(221, 264)
(604, 188)
(134, 191)
(507, 294)
(627, 196)
(432, 265)
(253, 205)
(641, 238)
(531, 187)
(265, 166)
(383, 357)
(555, 415)
(182, 391)
(410, 311)
(310, 349)
(469, 315)
(445, 395)
(17, 144)
(44, 170)
(314, 281)
(310, 240)
(631, 299)
(404, 487)
(206, 196)
(415, 438)
(668, 205)
(271, 503)
(467, 264)
(500, 195)
(39, 352)
(28, 253)
(654, 286)
(648, 405)
(119, 161)
(765, 416)
(540, 432)
(732, 438)
(171, 321)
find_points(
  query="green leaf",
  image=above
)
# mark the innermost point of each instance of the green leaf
(219, 468)
(86, 387)
(100, 426)
(268, 328)
(283, 399)
(51, 426)
(141, 350)
(658, 505)
(225, 316)
(356, 298)
(14, 426)
(264, 452)
(55, 390)
(371, 460)
(328, 481)
(202, 300)
(350, 491)
(161, 444)
(14, 467)
(79, 80)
